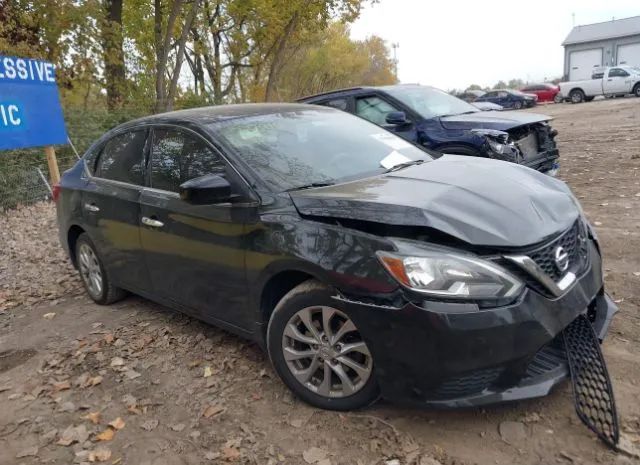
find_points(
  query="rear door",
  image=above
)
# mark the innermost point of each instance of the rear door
(195, 253)
(618, 81)
(111, 211)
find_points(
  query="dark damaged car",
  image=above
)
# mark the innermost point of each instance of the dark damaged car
(364, 266)
(439, 121)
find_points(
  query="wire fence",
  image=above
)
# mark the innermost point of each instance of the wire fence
(24, 174)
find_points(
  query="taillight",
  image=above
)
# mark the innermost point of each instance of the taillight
(55, 192)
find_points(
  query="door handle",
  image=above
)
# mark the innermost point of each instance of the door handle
(151, 222)
(91, 207)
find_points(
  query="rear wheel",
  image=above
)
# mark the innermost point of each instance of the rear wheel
(576, 96)
(319, 352)
(558, 98)
(94, 277)
(636, 90)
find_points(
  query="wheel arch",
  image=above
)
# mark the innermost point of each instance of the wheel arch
(277, 286)
(73, 234)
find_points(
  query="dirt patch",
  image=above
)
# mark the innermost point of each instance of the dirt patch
(188, 393)
(12, 358)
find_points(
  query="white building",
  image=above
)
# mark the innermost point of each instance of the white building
(611, 43)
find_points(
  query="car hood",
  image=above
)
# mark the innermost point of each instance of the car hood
(482, 202)
(500, 120)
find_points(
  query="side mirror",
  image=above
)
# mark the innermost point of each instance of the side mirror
(397, 118)
(206, 190)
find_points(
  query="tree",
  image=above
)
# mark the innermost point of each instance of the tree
(113, 49)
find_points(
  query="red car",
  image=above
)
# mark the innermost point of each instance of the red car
(545, 92)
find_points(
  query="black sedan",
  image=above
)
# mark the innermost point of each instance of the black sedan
(363, 265)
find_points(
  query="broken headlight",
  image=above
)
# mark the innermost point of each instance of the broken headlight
(441, 273)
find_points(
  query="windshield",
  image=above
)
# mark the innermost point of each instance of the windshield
(297, 148)
(429, 102)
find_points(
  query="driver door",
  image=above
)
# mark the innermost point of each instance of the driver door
(616, 82)
(375, 109)
(195, 253)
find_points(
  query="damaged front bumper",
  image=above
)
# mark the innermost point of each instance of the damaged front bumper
(455, 355)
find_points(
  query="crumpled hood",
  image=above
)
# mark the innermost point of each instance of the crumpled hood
(480, 201)
(500, 120)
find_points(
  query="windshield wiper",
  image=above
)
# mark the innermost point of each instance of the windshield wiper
(311, 186)
(404, 165)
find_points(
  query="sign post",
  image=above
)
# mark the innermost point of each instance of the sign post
(30, 111)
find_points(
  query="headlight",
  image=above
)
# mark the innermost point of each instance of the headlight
(443, 274)
(495, 145)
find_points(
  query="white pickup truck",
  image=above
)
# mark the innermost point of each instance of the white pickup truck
(607, 81)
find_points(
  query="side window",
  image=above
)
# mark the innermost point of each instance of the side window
(122, 158)
(374, 109)
(503, 94)
(177, 157)
(618, 72)
(339, 103)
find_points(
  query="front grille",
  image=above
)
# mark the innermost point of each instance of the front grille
(468, 384)
(573, 242)
(594, 401)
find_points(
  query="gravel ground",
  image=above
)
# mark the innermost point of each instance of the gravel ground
(137, 384)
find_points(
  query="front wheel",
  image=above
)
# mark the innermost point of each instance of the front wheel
(576, 96)
(636, 90)
(94, 276)
(319, 352)
(558, 98)
(517, 105)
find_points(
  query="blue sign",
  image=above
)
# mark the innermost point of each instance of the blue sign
(30, 112)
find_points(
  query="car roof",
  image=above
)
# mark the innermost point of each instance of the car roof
(218, 113)
(354, 91)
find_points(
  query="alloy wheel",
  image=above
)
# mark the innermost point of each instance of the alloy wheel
(90, 270)
(324, 351)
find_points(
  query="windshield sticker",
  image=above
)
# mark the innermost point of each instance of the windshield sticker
(395, 142)
(393, 159)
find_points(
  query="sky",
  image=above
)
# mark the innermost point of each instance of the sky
(452, 44)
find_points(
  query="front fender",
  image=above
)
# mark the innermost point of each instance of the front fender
(341, 257)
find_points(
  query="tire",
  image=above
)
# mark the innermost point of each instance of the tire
(576, 96)
(94, 277)
(558, 98)
(517, 105)
(636, 90)
(310, 304)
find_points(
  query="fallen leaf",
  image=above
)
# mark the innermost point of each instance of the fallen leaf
(149, 425)
(179, 427)
(93, 417)
(207, 371)
(92, 381)
(99, 454)
(132, 374)
(117, 362)
(133, 409)
(49, 316)
(61, 386)
(108, 338)
(73, 434)
(212, 410)
(314, 454)
(230, 453)
(118, 423)
(106, 435)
